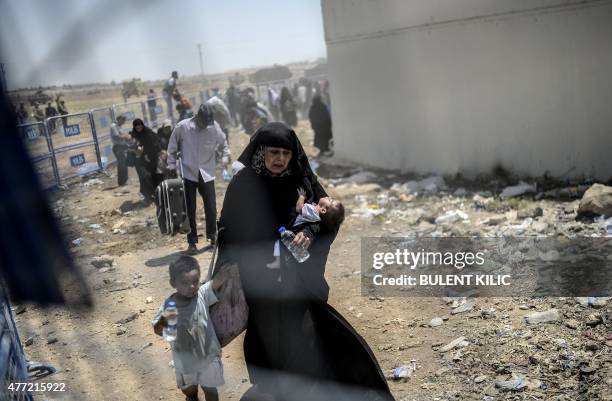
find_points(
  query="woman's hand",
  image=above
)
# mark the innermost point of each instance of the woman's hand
(301, 240)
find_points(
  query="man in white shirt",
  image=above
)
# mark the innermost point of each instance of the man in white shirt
(121, 141)
(197, 139)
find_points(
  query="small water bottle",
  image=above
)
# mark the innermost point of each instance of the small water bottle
(299, 252)
(169, 331)
(226, 175)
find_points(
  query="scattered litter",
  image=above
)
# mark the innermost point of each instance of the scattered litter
(466, 307)
(452, 216)
(516, 383)
(458, 342)
(77, 241)
(427, 185)
(517, 190)
(360, 178)
(596, 302)
(550, 315)
(403, 372)
(92, 182)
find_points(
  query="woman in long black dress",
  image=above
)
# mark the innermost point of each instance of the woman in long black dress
(321, 123)
(288, 107)
(297, 347)
(147, 162)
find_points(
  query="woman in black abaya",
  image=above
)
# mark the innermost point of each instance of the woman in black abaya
(321, 123)
(296, 346)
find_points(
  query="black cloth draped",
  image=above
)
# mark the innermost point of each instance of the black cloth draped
(297, 347)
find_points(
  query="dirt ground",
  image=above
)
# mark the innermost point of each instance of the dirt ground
(100, 359)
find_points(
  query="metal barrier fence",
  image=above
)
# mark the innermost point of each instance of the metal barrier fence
(130, 111)
(157, 109)
(102, 120)
(36, 138)
(12, 358)
(72, 145)
(75, 145)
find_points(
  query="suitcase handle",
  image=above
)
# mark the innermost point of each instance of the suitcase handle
(179, 162)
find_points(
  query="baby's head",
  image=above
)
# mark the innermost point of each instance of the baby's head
(331, 212)
(185, 276)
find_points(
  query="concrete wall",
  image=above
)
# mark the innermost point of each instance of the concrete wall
(463, 85)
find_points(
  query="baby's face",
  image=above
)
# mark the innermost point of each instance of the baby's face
(187, 284)
(324, 204)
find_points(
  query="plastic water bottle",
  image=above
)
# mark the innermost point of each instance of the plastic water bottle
(169, 331)
(299, 252)
(226, 175)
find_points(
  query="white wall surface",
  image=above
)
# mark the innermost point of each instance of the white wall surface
(463, 85)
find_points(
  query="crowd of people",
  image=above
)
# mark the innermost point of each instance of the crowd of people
(296, 347)
(24, 116)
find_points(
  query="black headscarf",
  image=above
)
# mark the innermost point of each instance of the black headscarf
(278, 135)
(149, 141)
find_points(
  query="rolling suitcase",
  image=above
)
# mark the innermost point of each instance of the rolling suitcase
(172, 205)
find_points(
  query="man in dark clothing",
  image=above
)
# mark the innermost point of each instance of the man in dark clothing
(22, 114)
(63, 110)
(38, 113)
(233, 103)
(51, 111)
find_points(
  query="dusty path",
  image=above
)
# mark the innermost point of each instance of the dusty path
(98, 364)
(100, 359)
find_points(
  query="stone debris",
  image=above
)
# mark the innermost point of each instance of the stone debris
(435, 322)
(127, 319)
(532, 212)
(458, 342)
(102, 261)
(596, 201)
(465, 307)
(551, 315)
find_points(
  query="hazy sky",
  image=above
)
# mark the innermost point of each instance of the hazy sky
(75, 41)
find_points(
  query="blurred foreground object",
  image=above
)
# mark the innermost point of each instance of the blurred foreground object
(34, 262)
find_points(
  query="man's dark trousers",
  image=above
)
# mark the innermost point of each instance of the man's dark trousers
(207, 192)
(122, 168)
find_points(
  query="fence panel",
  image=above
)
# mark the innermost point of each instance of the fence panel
(131, 111)
(12, 358)
(157, 110)
(36, 140)
(75, 146)
(103, 118)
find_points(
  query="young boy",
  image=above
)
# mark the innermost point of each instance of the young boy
(325, 216)
(196, 351)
